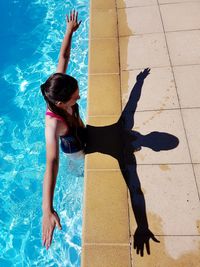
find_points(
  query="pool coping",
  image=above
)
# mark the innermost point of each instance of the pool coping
(106, 223)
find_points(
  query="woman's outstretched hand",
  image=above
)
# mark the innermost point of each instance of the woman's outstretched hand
(49, 221)
(72, 21)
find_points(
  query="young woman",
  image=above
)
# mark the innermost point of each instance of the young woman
(60, 92)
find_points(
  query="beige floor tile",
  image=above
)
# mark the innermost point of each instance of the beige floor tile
(173, 251)
(171, 197)
(103, 56)
(132, 3)
(197, 174)
(182, 16)
(105, 207)
(104, 95)
(102, 4)
(184, 47)
(175, 1)
(143, 51)
(192, 125)
(187, 81)
(100, 161)
(103, 23)
(158, 90)
(105, 256)
(102, 120)
(166, 121)
(131, 20)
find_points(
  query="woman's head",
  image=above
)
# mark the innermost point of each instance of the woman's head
(60, 91)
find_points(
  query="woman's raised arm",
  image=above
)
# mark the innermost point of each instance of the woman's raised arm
(72, 26)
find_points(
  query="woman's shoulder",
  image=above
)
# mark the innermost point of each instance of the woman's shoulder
(51, 114)
(55, 127)
(51, 122)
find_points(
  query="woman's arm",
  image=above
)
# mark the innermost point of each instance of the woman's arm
(52, 162)
(72, 26)
(50, 217)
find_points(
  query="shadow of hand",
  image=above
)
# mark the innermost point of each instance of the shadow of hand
(143, 74)
(141, 238)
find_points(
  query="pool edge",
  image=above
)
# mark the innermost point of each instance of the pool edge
(105, 232)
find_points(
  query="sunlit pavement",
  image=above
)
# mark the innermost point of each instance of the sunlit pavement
(163, 35)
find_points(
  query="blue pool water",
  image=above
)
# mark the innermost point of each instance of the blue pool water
(31, 33)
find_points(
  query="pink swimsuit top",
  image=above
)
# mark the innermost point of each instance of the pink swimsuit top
(50, 113)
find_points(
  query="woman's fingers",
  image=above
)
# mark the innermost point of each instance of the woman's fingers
(50, 234)
(48, 227)
(47, 238)
(58, 224)
(76, 17)
(57, 218)
(73, 15)
(79, 23)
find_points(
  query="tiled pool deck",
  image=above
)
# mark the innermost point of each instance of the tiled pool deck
(126, 37)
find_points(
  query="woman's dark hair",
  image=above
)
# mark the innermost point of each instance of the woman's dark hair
(59, 87)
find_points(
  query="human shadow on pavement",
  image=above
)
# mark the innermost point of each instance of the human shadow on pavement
(120, 141)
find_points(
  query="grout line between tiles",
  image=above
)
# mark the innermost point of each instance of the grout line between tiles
(145, 164)
(130, 7)
(142, 34)
(167, 66)
(195, 178)
(161, 4)
(104, 38)
(106, 244)
(151, 110)
(142, 67)
(161, 32)
(189, 1)
(178, 235)
(147, 110)
(102, 73)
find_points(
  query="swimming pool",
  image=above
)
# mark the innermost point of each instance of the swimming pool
(31, 35)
